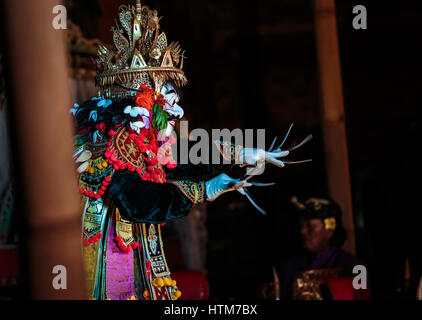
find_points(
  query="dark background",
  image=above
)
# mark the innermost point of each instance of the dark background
(254, 65)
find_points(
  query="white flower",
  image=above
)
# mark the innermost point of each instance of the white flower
(137, 126)
(136, 111)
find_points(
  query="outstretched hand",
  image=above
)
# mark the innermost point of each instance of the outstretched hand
(219, 185)
(252, 156)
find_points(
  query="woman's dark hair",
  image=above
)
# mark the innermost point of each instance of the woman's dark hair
(322, 208)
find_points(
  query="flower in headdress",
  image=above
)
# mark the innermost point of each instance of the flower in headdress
(135, 112)
(74, 109)
(330, 223)
(145, 99)
(103, 103)
(137, 126)
(160, 100)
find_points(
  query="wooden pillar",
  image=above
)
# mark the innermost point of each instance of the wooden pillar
(44, 139)
(333, 121)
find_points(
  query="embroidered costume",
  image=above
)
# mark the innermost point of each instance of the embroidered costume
(124, 163)
(306, 276)
(129, 181)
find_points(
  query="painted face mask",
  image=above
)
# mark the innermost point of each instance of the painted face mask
(172, 98)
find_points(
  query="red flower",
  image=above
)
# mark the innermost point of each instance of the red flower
(160, 100)
(101, 126)
(171, 164)
(146, 176)
(145, 99)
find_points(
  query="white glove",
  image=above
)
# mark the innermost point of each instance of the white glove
(219, 185)
(251, 156)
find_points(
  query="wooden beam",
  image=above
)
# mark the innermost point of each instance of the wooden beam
(44, 138)
(333, 121)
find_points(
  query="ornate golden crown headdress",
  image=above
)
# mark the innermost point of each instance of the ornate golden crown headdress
(141, 55)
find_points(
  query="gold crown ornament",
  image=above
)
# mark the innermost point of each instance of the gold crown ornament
(141, 55)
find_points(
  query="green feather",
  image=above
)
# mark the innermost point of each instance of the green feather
(160, 118)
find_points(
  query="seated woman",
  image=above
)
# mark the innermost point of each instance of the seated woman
(305, 277)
